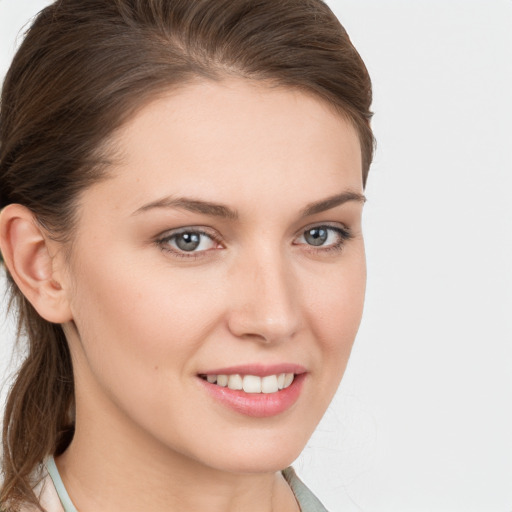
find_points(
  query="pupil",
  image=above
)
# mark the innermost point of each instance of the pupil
(316, 236)
(188, 241)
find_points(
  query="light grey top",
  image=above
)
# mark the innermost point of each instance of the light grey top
(59, 486)
(307, 501)
(54, 497)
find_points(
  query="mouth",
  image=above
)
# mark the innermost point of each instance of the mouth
(251, 383)
(253, 390)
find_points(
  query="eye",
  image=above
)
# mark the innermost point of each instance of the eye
(328, 237)
(316, 236)
(189, 241)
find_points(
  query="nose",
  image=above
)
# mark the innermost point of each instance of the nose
(265, 304)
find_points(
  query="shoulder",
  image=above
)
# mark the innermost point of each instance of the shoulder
(307, 501)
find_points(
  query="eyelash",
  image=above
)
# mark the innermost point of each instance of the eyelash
(343, 233)
(163, 242)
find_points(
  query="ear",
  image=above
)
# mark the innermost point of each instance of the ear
(27, 252)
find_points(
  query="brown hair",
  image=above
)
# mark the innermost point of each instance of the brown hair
(83, 68)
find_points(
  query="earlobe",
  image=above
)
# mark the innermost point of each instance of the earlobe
(26, 252)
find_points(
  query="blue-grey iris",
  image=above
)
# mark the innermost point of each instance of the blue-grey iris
(316, 236)
(188, 241)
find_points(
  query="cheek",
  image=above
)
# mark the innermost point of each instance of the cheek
(334, 314)
(140, 332)
(336, 307)
(141, 318)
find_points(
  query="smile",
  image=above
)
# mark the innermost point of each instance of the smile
(254, 390)
(252, 383)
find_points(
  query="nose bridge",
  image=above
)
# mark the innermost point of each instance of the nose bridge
(266, 301)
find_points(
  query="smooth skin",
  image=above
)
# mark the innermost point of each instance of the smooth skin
(144, 317)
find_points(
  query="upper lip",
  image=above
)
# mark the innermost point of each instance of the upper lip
(260, 370)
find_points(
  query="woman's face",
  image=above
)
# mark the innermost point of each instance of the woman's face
(225, 247)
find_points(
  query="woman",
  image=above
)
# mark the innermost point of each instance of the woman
(182, 188)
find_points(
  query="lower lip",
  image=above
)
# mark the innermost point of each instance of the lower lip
(259, 405)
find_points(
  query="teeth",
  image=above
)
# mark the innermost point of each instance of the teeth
(253, 383)
(269, 384)
(222, 380)
(235, 382)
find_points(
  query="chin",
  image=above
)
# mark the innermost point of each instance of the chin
(259, 464)
(263, 455)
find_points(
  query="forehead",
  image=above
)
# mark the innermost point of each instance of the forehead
(230, 138)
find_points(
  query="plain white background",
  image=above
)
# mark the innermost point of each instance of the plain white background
(423, 419)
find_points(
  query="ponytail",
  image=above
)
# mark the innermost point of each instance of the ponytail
(42, 396)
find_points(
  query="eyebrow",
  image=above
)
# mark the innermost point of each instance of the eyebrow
(223, 211)
(332, 202)
(192, 205)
